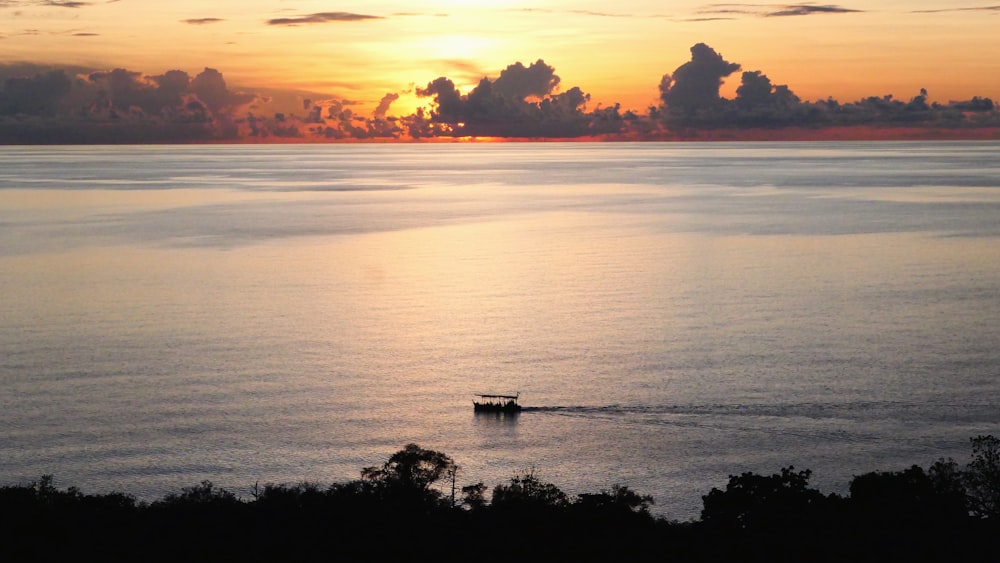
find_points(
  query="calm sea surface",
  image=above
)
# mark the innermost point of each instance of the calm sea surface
(671, 313)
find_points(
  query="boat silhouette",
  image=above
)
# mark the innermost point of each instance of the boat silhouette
(492, 402)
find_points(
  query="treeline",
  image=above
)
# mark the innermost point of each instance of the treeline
(407, 509)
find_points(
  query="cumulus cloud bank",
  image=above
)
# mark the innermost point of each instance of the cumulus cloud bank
(41, 104)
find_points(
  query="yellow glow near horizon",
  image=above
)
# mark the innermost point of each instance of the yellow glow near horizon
(617, 53)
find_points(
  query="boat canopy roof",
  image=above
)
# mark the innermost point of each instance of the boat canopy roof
(495, 396)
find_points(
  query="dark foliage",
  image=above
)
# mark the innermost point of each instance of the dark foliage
(944, 513)
(982, 479)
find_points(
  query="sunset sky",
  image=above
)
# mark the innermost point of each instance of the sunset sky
(616, 51)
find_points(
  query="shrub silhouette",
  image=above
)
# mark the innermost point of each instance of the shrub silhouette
(753, 502)
(619, 501)
(394, 512)
(983, 477)
(526, 491)
(910, 496)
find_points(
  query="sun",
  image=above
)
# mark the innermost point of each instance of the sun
(453, 47)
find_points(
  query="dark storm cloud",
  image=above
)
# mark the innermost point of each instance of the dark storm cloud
(202, 21)
(323, 17)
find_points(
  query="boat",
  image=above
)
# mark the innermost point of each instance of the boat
(489, 402)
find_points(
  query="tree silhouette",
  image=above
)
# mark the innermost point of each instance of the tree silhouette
(408, 474)
(474, 496)
(983, 477)
(753, 501)
(527, 490)
(620, 499)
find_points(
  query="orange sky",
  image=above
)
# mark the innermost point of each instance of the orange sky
(615, 51)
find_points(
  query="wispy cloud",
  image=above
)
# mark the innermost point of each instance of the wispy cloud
(202, 21)
(323, 17)
(420, 14)
(729, 11)
(970, 9)
(52, 3)
(810, 9)
(67, 4)
(594, 13)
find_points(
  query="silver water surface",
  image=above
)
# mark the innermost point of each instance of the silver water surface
(671, 313)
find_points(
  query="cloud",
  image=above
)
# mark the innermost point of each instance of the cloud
(971, 9)
(694, 86)
(210, 87)
(521, 102)
(772, 10)
(577, 12)
(419, 15)
(78, 105)
(323, 17)
(86, 34)
(51, 3)
(519, 82)
(730, 9)
(383, 105)
(464, 66)
(202, 21)
(466, 72)
(810, 9)
(59, 4)
(593, 13)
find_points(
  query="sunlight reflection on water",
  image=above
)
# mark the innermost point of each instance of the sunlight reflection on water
(237, 322)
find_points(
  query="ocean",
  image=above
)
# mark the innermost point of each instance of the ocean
(670, 313)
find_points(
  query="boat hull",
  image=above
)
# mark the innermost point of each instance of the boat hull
(497, 408)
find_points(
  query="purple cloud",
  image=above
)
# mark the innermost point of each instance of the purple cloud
(323, 17)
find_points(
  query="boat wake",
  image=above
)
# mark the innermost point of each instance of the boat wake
(849, 410)
(841, 422)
